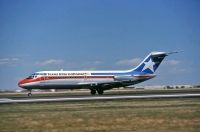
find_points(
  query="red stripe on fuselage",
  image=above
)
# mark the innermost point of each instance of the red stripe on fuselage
(45, 78)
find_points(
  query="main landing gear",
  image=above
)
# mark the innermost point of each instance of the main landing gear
(29, 94)
(99, 91)
(93, 91)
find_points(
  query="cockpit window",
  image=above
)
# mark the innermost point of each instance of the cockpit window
(30, 77)
(34, 75)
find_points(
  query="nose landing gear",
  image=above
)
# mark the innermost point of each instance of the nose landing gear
(29, 94)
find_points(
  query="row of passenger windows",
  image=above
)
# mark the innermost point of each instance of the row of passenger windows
(63, 77)
(56, 77)
(39, 74)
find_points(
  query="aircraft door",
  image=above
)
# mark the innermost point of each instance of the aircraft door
(42, 80)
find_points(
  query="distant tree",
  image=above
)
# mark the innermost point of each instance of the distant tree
(169, 87)
(197, 86)
(182, 86)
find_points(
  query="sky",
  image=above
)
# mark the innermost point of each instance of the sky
(38, 35)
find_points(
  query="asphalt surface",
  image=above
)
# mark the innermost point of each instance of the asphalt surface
(34, 99)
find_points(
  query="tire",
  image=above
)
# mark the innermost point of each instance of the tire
(29, 94)
(93, 91)
(100, 91)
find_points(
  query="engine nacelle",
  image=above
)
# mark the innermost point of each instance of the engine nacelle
(124, 78)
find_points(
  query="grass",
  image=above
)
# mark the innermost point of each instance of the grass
(181, 114)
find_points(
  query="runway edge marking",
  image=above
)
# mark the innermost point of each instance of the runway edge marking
(29, 100)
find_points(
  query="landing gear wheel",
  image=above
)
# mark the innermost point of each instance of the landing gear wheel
(29, 94)
(93, 91)
(100, 91)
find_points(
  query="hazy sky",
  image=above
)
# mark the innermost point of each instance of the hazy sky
(98, 35)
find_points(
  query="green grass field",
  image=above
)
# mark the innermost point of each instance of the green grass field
(177, 114)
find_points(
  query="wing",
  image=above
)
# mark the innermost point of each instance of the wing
(119, 81)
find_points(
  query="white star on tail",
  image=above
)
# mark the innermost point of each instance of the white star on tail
(148, 65)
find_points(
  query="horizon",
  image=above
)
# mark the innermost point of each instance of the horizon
(38, 35)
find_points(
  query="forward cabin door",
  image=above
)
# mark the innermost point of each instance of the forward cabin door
(42, 81)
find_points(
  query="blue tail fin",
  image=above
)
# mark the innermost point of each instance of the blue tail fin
(150, 63)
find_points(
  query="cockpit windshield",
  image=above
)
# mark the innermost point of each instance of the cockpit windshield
(30, 77)
(34, 75)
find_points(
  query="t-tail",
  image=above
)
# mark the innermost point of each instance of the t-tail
(150, 64)
(96, 81)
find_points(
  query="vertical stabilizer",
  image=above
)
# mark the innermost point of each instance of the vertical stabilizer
(150, 63)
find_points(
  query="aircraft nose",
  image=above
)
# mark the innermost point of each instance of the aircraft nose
(21, 82)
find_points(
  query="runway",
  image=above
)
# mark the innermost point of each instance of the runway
(97, 97)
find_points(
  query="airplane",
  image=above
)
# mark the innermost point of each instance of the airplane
(96, 81)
